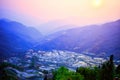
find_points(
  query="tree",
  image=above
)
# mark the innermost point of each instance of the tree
(107, 70)
(64, 74)
(45, 78)
(88, 73)
(118, 71)
(33, 62)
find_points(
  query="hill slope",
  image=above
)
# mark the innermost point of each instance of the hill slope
(96, 39)
(16, 37)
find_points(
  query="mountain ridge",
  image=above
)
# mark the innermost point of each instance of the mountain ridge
(16, 37)
(97, 39)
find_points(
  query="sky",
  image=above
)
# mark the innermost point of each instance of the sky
(61, 12)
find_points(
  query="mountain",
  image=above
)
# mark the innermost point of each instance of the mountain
(101, 40)
(16, 37)
(52, 25)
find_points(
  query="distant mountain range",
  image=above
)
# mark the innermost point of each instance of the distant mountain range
(16, 37)
(101, 40)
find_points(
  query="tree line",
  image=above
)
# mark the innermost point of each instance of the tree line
(105, 71)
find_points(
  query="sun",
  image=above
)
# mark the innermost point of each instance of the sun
(97, 3)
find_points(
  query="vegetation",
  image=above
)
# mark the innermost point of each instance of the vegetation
(89, 74)
(7, 74)
(117, 71)
(106, 71)
(6, 64)
(64, 74)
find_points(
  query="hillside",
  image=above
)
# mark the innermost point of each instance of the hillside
(16, 37)
(101, 40)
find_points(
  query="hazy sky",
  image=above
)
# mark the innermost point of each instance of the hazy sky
(77, 12)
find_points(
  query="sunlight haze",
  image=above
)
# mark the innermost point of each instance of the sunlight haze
(76, 12)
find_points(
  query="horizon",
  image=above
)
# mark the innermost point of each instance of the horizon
(59, 28)
(47, 16)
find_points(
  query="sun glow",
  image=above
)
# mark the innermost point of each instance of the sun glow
(97, 3)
